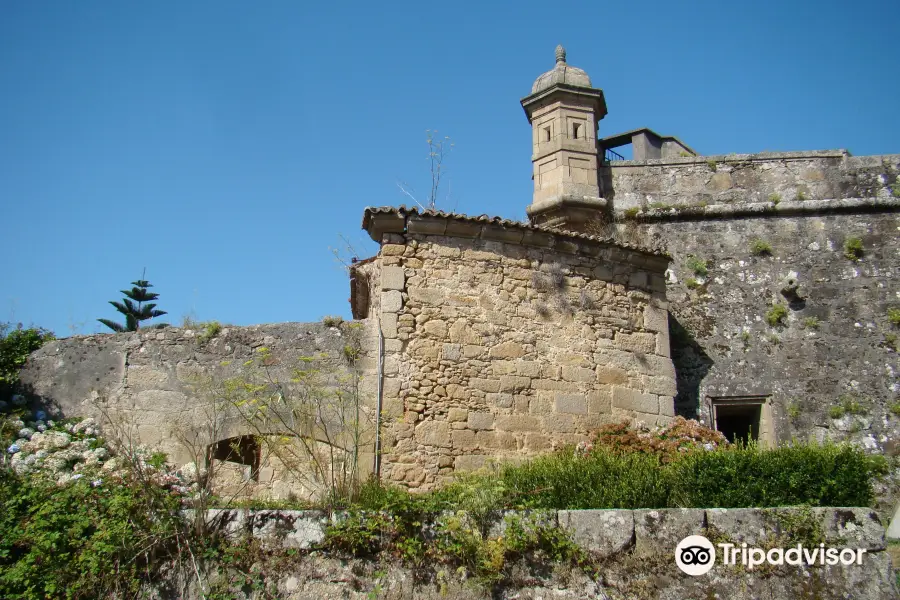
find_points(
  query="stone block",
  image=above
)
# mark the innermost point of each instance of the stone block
(578, 374)
(603, 532)
(486, 440)
(391, 302)
(507, 350)
(481, 420)
(739, 525)
(537, 442)
(559, 423)
(426, 296)
(571, 403)
(658, 531)
(636, 342)
(436, 328)
(614, 375)
(667, 406)
(517, 423)
(528, 368)
(633, 400)
(853, 527)
(457, 414)
(656, 318)
(392, 278)
(514, 383)
(392, 250)
(289, 528)
(485, 385)
(469, 462)
(663, 386)
(433, 433)
(599, 401)
(451, 352)
(463, 439)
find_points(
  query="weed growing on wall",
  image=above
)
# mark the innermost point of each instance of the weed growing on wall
(697, 265)
(853, 248)
(893, 315)
(760, 247)
(776, 315)
(811, 323)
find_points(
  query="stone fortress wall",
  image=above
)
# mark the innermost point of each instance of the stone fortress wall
(830, 371)
(504, 340)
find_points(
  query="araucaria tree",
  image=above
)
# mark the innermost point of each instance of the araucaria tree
(134, 308)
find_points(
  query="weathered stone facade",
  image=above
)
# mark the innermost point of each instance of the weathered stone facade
(504, 340)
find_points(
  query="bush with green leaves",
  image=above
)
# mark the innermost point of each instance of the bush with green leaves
(16, 344)
(86, 539)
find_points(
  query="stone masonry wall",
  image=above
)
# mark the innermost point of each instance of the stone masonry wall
(635, 548)
(498, 350)
(836, 343)
(151, 385)
(830, 370)
(749, 178)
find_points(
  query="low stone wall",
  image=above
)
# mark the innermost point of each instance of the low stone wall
(165, 388)
(747, 178)
(635, 549)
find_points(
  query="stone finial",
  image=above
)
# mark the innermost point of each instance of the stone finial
(560, 54)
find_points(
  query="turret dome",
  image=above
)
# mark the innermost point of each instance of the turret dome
(561, 73)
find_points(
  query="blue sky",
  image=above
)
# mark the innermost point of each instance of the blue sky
(225, 146)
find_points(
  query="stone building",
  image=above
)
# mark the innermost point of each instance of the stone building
(754, 292)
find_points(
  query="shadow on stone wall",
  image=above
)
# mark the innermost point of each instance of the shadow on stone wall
(692, 364)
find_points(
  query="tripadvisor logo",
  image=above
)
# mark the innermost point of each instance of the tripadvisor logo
(696, 555)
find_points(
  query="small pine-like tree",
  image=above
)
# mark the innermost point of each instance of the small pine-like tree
(134, 309)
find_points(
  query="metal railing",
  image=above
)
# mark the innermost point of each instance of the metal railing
(610, 155)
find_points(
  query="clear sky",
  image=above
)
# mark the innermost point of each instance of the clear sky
(225, 146)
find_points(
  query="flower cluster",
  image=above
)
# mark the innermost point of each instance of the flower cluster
(68, 451)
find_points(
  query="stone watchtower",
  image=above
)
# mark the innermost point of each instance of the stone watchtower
(564, 111)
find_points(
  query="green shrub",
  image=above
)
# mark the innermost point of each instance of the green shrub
(801, 196)
(743, 476)
(15, 346)
(760, 248)
(775, 198)
(332, 321)
(712, 165)
(692, 284)
(776, 315)
(895, 409)
(632, 212)
(602, 479)
(853, 248)
(895, 190)
(83, 539)
(811, 322)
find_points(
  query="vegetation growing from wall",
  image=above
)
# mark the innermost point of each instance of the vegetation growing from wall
(853, 248)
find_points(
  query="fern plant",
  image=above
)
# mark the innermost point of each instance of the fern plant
(134, 308)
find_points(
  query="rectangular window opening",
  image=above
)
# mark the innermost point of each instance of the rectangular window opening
(575, 127)
(741, 418)
(546, 134)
